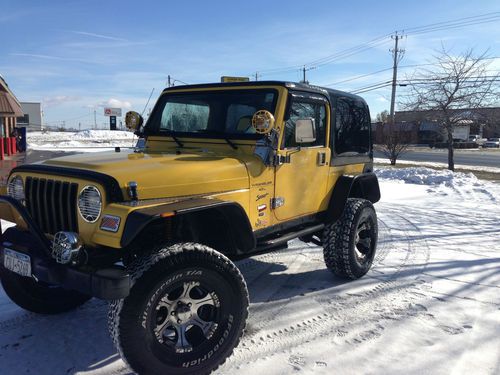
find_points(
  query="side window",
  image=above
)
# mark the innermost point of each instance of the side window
(301, 109)
(352, 127)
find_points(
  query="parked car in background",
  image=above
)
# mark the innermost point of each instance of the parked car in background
(492, 143)
(477, 139)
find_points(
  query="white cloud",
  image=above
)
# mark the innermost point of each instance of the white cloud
(100, 36)
(115, 103)
(52, 57)
(54, 101)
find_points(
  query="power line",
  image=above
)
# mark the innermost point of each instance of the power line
(374, 73)
(330, 58)
(350, 51)
(73, 118)
(437, 26)
(490, 14)
(384, 84)
(372, 86)
(357, 77)
(372, 89)
(474, 80)
(451, 24)
(387, 69)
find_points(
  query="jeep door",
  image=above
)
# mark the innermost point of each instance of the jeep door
(301, 177)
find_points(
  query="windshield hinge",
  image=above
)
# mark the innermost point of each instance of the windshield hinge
(230, 143)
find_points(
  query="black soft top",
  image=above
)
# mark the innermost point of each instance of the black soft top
(290, 85)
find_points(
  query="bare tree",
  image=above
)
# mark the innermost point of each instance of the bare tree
(455, 82)
(382, 116)
(394, 140)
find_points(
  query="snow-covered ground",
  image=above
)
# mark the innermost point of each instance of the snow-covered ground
(83, 141)
(429, 305)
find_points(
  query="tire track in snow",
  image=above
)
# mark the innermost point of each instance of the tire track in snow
(315, 253)
(331, 315)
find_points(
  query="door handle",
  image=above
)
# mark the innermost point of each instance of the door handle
(321, 158)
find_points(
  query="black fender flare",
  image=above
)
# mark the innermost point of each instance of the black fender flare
(237, 225)
(364, 185)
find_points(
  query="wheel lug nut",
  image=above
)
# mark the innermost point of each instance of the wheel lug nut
(172, 313)
(179, 321)
(189, 304)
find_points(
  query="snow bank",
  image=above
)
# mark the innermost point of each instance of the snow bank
(103, 134)
(89, 134)
(83, 141)
(443, 182)
(428, 176)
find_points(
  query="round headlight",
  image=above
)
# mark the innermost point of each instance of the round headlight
(15, 188)
(90, 204)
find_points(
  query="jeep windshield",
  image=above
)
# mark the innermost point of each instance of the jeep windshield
(211, 114)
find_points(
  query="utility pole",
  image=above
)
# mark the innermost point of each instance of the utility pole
(257, 76)
(168, 81)
(95, 120)
(397, 56)
(304, 70)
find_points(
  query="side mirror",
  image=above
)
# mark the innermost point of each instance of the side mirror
(305, 131)
(133, 121)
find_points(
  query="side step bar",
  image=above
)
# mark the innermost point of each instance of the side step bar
(289, 236)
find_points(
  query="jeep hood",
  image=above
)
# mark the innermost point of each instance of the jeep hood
(161, 175)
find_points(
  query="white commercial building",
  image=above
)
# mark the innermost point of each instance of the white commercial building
(32, 118)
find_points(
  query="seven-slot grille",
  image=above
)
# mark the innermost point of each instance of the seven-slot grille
(52, 204)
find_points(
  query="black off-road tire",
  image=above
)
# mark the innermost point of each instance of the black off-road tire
(39, 297)
(141, 325)
(350, 243)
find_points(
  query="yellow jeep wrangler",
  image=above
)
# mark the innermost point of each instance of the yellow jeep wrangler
(226, 170)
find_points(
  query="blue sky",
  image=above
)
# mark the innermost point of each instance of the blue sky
(77, 56)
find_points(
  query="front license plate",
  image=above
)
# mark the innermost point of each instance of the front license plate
(17, 262)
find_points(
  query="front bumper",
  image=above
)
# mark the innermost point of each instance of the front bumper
(105, 283)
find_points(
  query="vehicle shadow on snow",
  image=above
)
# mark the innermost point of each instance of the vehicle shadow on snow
(66, 343)
(274, 284)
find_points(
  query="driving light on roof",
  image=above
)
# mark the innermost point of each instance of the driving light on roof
(227, 79)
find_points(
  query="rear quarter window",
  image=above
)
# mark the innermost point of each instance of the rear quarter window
(352, 127)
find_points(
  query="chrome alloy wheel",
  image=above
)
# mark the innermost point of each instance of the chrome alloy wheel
(186, 316)
(364, 240)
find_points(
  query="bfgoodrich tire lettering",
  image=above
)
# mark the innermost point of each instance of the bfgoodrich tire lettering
(350, 243)
(185, 313)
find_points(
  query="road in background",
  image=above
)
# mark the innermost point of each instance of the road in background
(483, 158)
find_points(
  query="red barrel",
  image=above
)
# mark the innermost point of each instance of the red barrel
(7, 146)
(13, 145)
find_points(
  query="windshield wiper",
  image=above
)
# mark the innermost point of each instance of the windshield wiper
(171, 134)
(220, 134)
